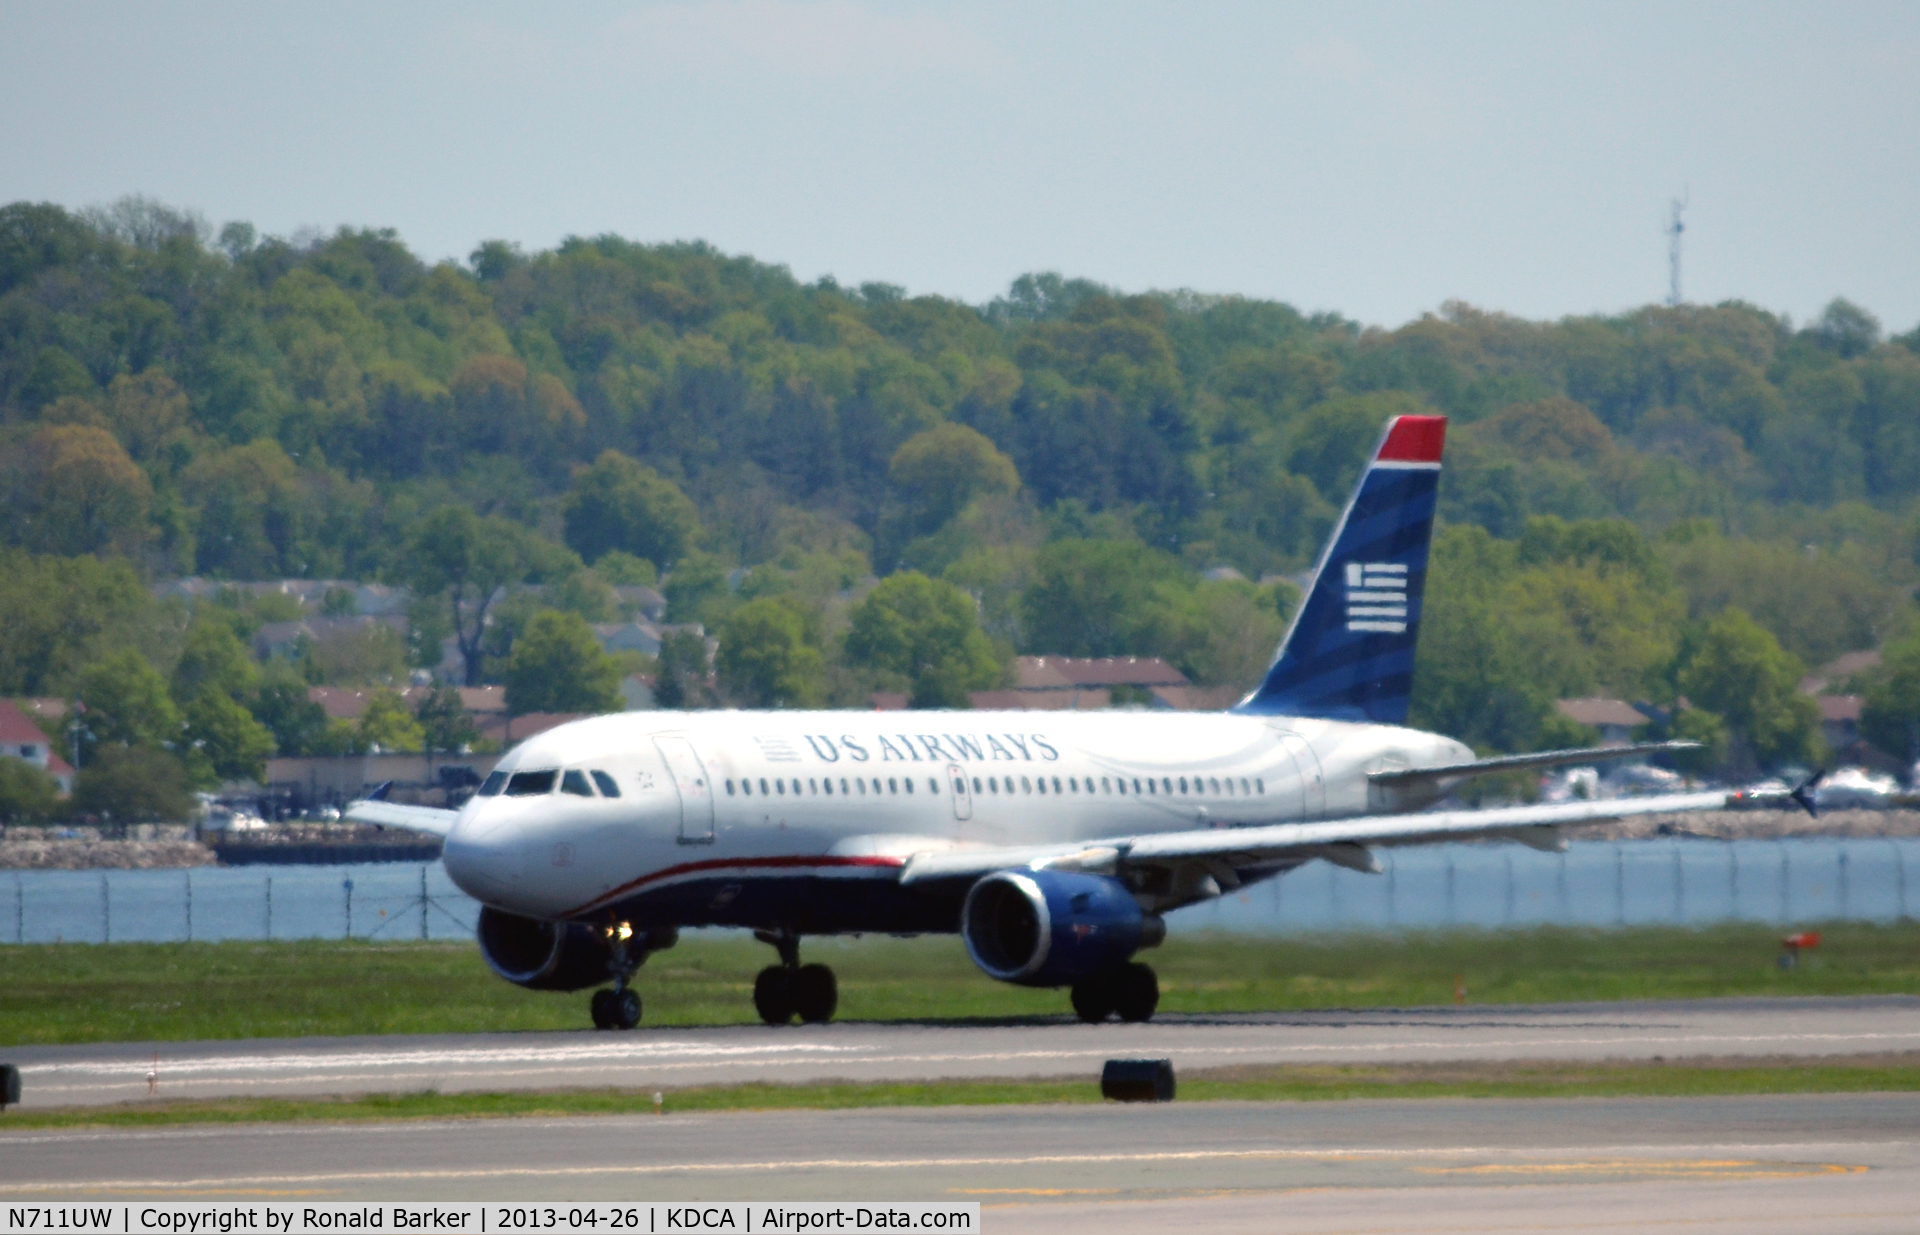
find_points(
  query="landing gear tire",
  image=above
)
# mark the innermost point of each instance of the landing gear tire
(773, 994)
(625, 1007)
(1136, 992)
(1093, 998)
(814, 993)
(602, 1006)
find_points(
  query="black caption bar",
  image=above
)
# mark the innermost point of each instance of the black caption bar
(490, 1218)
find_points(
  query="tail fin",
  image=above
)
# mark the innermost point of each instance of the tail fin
(1349, 653)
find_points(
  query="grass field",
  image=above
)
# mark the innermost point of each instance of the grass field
(1681, 1078)
(135, 992)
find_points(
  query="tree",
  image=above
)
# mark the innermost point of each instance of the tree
(27, 795)
(1890, 716)
(467, 562)
(938, 471)
(295, 721)
(445, 724)
(225, 735)
(126, 703)
(76, 491)
(622, 504)
(557, 666)
(1732, 667)
(770, 655)
(927, 631)
(131, 783)
(388, 725)
(1098, 598)
(215, 657)
(682, 682)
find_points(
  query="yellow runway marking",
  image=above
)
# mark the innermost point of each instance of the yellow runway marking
(1681, 1168)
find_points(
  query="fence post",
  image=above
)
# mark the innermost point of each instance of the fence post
(1733, 881)
(1509, 857)
(189, 904)
(269, 908)
(1450, 915)
(1844, 898)
(1900, 867)
(347, 884)
(1679, 887)
(1619, 884)
(1560, 885)
(106, 912)
(423, 902)
(1786, 878)
(20, 909)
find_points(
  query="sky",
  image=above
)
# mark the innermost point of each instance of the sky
(1373, 160)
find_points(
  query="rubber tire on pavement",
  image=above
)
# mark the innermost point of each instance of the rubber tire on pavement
(815, 994)
(773, 995)
(1093, 998)
(602, 1006)
(1136, 992)
(625, 1009)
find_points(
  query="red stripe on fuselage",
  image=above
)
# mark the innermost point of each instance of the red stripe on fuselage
(1414, 439)
(782, 863)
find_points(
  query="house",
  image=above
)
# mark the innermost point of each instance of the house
(1087, 684)
(21, 739)
(1614, 718)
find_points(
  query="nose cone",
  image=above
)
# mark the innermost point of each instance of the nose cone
(486, 856)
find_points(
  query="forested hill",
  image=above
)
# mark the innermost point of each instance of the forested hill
(247, 407)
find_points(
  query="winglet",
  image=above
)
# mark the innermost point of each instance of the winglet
(1349, 653)
(379, 792)
(1803, 794)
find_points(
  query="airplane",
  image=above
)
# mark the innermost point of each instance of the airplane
(1052, 843)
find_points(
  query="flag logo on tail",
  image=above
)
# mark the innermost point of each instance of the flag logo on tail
(1377, 597)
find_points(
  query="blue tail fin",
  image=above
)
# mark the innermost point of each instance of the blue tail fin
(1349, 652)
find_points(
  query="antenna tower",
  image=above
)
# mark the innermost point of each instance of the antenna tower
(1674, 228)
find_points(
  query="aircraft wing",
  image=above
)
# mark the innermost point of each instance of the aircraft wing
(1343, 841)
(1454, 773)
(393, 815)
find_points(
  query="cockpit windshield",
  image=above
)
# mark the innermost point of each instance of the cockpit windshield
(531, 784)
(493, 784)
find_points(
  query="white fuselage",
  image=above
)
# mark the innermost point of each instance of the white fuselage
(759, 796)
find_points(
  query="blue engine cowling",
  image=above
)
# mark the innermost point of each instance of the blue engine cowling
(1053, 928)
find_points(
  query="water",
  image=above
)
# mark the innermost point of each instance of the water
(1596, 883)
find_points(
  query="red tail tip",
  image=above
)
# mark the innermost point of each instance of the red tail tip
(1414, 439)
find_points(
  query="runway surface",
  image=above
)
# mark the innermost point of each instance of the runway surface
(670, 1058)
(1841, 1163)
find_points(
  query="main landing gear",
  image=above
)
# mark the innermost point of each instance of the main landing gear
(1131, 990)
(789, 989)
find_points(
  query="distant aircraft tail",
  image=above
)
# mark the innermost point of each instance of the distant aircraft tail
(1349, 653)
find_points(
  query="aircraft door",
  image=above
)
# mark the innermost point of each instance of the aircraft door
(962, 796)
(1312, 789)
(694, 786)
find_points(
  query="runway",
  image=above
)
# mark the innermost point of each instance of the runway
(1841, 1163)
(673, 1058)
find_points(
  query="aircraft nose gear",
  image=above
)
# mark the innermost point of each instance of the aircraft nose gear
(619, 1008)
(789, 989)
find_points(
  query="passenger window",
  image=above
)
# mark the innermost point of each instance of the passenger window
(826, 784)
(909, 784)
(780, 786)
(1167, 781)
(1042, 782)
(575, 782)
(1183, 784)
(1024, 786)
(893, 786)
(764, 791)
(843, 786)
(876, 784)
(493, 783)
(1106, 786)
(976, 784)
(1056, 784)
(813, 786)
(609, 789)
(1244, 787)
(1261, 785)
(531, 784)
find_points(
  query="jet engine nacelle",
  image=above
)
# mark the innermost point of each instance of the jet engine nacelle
(1053, 928)
(543, 956)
